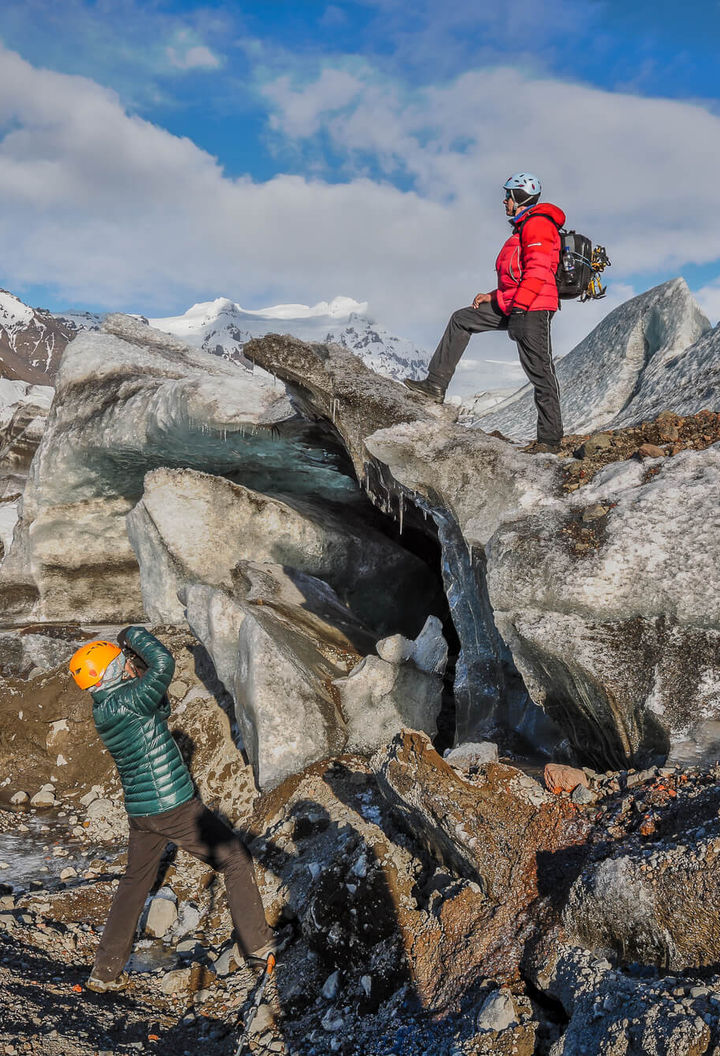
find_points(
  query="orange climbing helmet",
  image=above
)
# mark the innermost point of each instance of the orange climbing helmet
(88, 664)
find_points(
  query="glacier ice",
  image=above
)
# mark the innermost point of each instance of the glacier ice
(195, 527)
(128, 400)
(620, 643)
(279, 639)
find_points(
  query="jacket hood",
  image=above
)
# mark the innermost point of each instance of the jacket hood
(540, 209)
(101, 695)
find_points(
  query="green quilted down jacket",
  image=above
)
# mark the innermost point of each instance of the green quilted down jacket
(132, 722)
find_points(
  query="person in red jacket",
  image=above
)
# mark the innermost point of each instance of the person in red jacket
(524, 303)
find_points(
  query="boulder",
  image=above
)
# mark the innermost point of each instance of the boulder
(617, 634)
(514, 844)
(162, 915)
(279, 640)
(614, 1014)
(627, 354)
(192, 527)
(380, 696)
(471, 826)
(654, 905)
(325, 855)
(472, 754)
(366, 897)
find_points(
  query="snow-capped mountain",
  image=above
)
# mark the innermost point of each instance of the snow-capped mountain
(32, 340)
(222, 327)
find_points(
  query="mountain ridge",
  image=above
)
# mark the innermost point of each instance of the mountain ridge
(32, 340)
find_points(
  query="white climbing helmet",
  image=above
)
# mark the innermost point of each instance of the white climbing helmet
(523, 185)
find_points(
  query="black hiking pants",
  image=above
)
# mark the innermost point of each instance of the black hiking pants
(534, 348)
(197, 830)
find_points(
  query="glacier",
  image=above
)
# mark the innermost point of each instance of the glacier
(160, 464)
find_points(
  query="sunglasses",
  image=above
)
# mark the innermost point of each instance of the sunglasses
(507, 194)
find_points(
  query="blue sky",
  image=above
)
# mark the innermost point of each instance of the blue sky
(156, 154)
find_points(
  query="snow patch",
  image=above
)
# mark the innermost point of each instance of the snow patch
(13, 312)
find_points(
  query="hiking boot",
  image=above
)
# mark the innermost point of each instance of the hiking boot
(102, 986)
(544, 447)
(426, 388)
(277, 944)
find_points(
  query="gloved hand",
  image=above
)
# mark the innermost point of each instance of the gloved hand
(516, 324)
(122, 639)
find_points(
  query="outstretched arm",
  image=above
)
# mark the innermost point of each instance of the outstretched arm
(149, 692)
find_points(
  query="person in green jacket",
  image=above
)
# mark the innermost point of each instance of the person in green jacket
(130, 712)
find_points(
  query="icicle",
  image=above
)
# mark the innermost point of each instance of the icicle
(335, 404)
(401, 511)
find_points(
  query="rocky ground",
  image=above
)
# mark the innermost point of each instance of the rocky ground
(436, 909)
(663, 437)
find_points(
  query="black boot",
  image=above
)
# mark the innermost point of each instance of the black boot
(426, 388)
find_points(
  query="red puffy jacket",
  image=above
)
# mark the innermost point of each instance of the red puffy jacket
(527, 263)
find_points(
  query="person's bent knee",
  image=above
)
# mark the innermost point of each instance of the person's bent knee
(232, 854)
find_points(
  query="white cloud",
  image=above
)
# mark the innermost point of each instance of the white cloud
(299, 113)
(623, 165)
(197, 56)
(142, 50)
(108, 208)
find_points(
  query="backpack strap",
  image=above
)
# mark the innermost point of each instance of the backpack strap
(530, 215)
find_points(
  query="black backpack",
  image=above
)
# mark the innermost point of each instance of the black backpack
(579, 267)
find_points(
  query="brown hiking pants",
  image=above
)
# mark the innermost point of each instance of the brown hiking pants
(198, 831)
